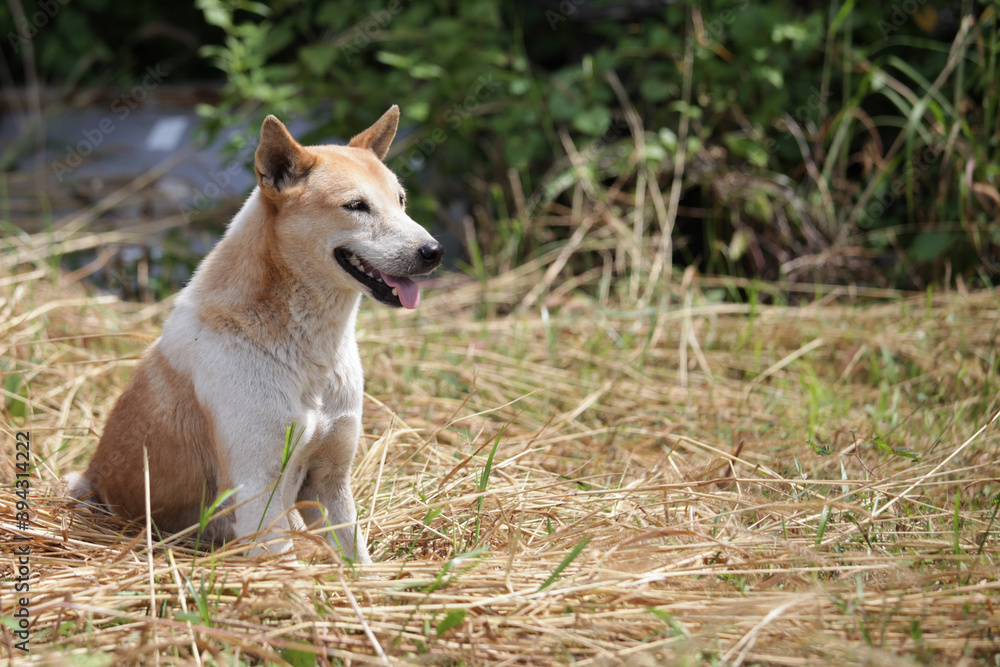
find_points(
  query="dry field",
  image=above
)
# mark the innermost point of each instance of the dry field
(671, 476)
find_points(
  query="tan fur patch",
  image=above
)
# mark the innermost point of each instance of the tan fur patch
(158, 410)
(254, 301)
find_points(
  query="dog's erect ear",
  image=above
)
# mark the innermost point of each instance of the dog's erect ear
(379, 136)
(280, 161)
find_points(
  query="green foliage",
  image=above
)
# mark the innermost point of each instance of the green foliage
(901, 137)
(299, 657)
(450, 621)
(842, 142)
(16, 391)
(97, 42)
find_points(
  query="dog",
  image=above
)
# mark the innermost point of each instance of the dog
(263, 339)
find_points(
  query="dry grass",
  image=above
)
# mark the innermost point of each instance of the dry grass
(653, 499)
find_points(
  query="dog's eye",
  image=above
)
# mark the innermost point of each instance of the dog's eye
(358, 205)
(402, 199)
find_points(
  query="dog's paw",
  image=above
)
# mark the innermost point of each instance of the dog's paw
(77, 486)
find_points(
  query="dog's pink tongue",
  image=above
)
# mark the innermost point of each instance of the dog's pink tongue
(406, 288)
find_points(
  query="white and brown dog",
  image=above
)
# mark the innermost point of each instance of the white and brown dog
(263, 337)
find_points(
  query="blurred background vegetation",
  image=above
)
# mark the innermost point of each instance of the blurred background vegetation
(841, 142)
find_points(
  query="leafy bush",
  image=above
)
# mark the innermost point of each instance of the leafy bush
(802, 141)
(849, 144)
(97, 42)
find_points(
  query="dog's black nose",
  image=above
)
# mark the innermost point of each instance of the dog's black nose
(431, 254)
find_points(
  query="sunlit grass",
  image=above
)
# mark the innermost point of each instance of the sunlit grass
(702, 482)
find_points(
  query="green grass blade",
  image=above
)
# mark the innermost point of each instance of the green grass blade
(451, 620)
(956, 521)
(824, 517)
(570, 557)
(484, 478)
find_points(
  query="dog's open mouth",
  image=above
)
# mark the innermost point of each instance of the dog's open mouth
(391, 290)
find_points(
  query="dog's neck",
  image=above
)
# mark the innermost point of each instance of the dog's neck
(245, 283)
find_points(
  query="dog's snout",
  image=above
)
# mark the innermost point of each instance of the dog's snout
(431, 253)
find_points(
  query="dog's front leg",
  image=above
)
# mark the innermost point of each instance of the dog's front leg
(328, 483)
(263, 500)
(330, 486)
(251, 453)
